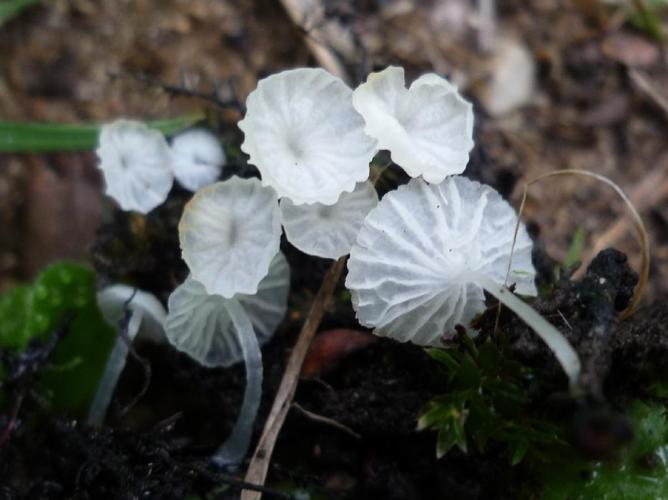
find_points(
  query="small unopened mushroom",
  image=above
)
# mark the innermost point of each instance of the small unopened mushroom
(146, 318)
(216, 331)
(304, 136)
(198, 158)
(136, 164)
(424, 256)
(428, 128)
(229, 233)
(328, 231)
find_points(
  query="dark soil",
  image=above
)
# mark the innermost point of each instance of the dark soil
(159, 448)
(77, 61)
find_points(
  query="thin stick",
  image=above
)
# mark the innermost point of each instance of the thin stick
(325, 420)
(649, 89)
(648, 193)
(257, 470)
(637, 220)
(323, 54)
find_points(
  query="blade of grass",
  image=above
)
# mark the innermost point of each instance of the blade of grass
(50, 137)
(10, 8)
(637, 221)
(575, 250)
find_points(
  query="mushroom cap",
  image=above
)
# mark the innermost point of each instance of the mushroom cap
(410, 270)
(114, 299)
(197, 158)
(199, 324)
(428, 128)
(304, 136)
(229, 233)
(328, 231)
(136, 164)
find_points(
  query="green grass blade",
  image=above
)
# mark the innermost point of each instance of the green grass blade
(50, 137)
(575, 250)
(10, 8)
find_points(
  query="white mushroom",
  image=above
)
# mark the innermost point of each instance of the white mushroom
(304, 136)
(198, 158)
(146, 318)
(229, 233)
(136, 164)
(220, 332)
(328, 231)
(424, 256)
(428, 128)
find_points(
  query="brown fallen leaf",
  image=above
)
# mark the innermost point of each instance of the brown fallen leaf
(330, 347)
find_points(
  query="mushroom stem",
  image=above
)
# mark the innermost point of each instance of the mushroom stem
(113, 370)
(234, 449)
(555, 340)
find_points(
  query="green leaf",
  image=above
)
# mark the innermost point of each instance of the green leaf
(519, 451)
(13, 311)
(10, 8)
(575, 250)
(646, 17)
(79, 358)
(570, 477)
(443, 357)
(47, 137)
(650, 427)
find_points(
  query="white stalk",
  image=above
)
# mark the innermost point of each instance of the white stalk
(554, 339)
(234, 449)
(112, 371)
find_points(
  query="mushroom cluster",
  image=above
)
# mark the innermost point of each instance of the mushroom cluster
(139, 166)
(420, 259)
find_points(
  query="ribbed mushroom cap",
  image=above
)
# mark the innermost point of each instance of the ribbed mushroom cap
(328, 231)
(136, 164)
(428, 128)
(304, 136)
(199, 324)
(410, 270)
(229, 233)
(197, 158)
(144, 307)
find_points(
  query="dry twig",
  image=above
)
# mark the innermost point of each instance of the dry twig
(257, 470)
(323, 54)
(637, 220)
(325, 420)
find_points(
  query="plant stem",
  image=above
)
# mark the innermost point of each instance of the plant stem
(234, 449)
(554, 339)
(257, 470)
(113, 370)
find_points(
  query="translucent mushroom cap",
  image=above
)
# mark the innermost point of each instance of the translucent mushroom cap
(328, 231)
(199, 324)
(136, 164)
(304, 136)
(411, 270)
(145, 309)
(146, 319)
(428, 128)
(197, 158)
(229, 233)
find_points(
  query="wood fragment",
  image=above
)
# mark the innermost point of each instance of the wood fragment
(648, 193)
(257, 470)
(313, 36)
(650, 91)
(326, 420)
